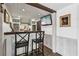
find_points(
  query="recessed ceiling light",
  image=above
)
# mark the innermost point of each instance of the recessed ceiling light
(39, 14)
(22, 9)
(19, 16)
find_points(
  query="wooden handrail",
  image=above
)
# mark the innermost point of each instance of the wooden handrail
(9, 33)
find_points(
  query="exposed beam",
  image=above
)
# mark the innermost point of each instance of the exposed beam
(37, 5)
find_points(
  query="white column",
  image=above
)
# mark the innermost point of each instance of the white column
(54, 32)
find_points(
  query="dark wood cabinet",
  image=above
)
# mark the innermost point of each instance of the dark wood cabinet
(39, 25)
(34, 27)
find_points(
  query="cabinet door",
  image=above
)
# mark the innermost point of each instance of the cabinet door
(39, 25)
(34, 27)
(16, 27)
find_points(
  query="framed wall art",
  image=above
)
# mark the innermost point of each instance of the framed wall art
(1, 8)
(46, 20)
(65, 20)
(6, 17)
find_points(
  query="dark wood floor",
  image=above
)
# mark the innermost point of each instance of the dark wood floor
(48, 52)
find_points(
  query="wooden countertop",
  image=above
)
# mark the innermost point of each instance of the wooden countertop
(8, 33)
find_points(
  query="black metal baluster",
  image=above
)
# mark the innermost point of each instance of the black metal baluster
(32, 47)
(15, 44)
(28, 43)
(43, 44)
(36, 43)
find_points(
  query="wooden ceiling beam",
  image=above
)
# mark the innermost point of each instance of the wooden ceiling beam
(37, 5)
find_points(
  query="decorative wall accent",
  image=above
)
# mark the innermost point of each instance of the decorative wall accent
(46, 20)
(6, 17)
(65, 20)
(1, 8)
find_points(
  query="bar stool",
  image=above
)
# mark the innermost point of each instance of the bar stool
(22, 43)
(39, 40)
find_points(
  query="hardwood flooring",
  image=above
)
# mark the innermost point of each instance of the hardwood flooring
(47, 52)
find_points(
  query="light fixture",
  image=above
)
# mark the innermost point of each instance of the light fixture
(39, 14)
(19, 16)
(23, 9)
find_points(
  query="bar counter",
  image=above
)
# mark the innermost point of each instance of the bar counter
(8, 33)
(10, 38)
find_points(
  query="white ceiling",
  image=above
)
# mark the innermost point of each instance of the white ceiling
(32, 12)
(29, 12)
(56, 6)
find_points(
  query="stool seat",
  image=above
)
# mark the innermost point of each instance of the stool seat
(21, 44)
(37, 40)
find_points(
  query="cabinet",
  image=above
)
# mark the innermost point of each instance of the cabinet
(34, 25)
(16, 24)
